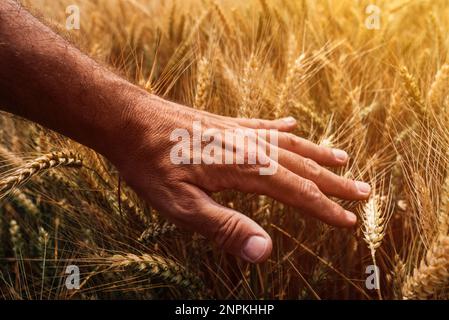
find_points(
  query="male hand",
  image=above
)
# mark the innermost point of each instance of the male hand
(180, 191)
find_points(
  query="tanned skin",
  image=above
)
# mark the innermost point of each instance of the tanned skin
(45, 79)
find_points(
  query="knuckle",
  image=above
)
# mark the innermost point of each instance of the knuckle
(255, 122)
(310, 191)
(260, 123)
(290, 140)
(337, 212)
(347, 184)
(263, 159)
(312, 168)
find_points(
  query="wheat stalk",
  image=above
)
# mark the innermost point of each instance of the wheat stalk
(432, 273)
(38, 166)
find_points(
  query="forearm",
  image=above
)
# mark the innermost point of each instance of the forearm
(45, 79)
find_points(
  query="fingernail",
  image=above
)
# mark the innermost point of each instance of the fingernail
(352, 218)
(363, 187)
(254, 248)
(340, 154)
(289, 120)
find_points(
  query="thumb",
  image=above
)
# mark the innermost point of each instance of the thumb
(231, 230)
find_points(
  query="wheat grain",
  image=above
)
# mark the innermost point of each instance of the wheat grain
(439, 88)
(9, 156)
(432, 273)
(250, 91)
(156, 231)
(128, 206)
(405, 134)
(398, 273)
(224, 21)
(203, 83)
(22, 200)
(16, 238)
(281, 107)
(414, 96)
(436, 30)
(38, 166)
(42, 244)
(373, 223)
(158, 267)
(443, 212)
(309, 113)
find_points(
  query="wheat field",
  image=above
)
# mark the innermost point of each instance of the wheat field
(382, 95)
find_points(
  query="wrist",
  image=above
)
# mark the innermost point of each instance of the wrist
(130, 124)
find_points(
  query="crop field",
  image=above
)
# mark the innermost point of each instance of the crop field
(379, 91)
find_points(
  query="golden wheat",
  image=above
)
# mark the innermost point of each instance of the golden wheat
(443, 212)
(157, 266)
(432, 273)
(312, 60)
(203, 84)
(414, 96)
(439, 89)
(38, 166)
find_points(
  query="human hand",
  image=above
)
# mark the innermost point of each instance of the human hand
(180, 191)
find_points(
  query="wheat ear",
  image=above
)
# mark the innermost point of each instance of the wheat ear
(398, 274)
(293, 73)
(9, 156)
(414, 97)
(432, 273)
(155, 231)
(224, 21)
(443, 212)
(22, 200)
(250, 91)
(374, 219)
(203, 83)
(16, 237)
(38, 166)
(439, 88)
(159, 267)
(308, 112)
(129, 205)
